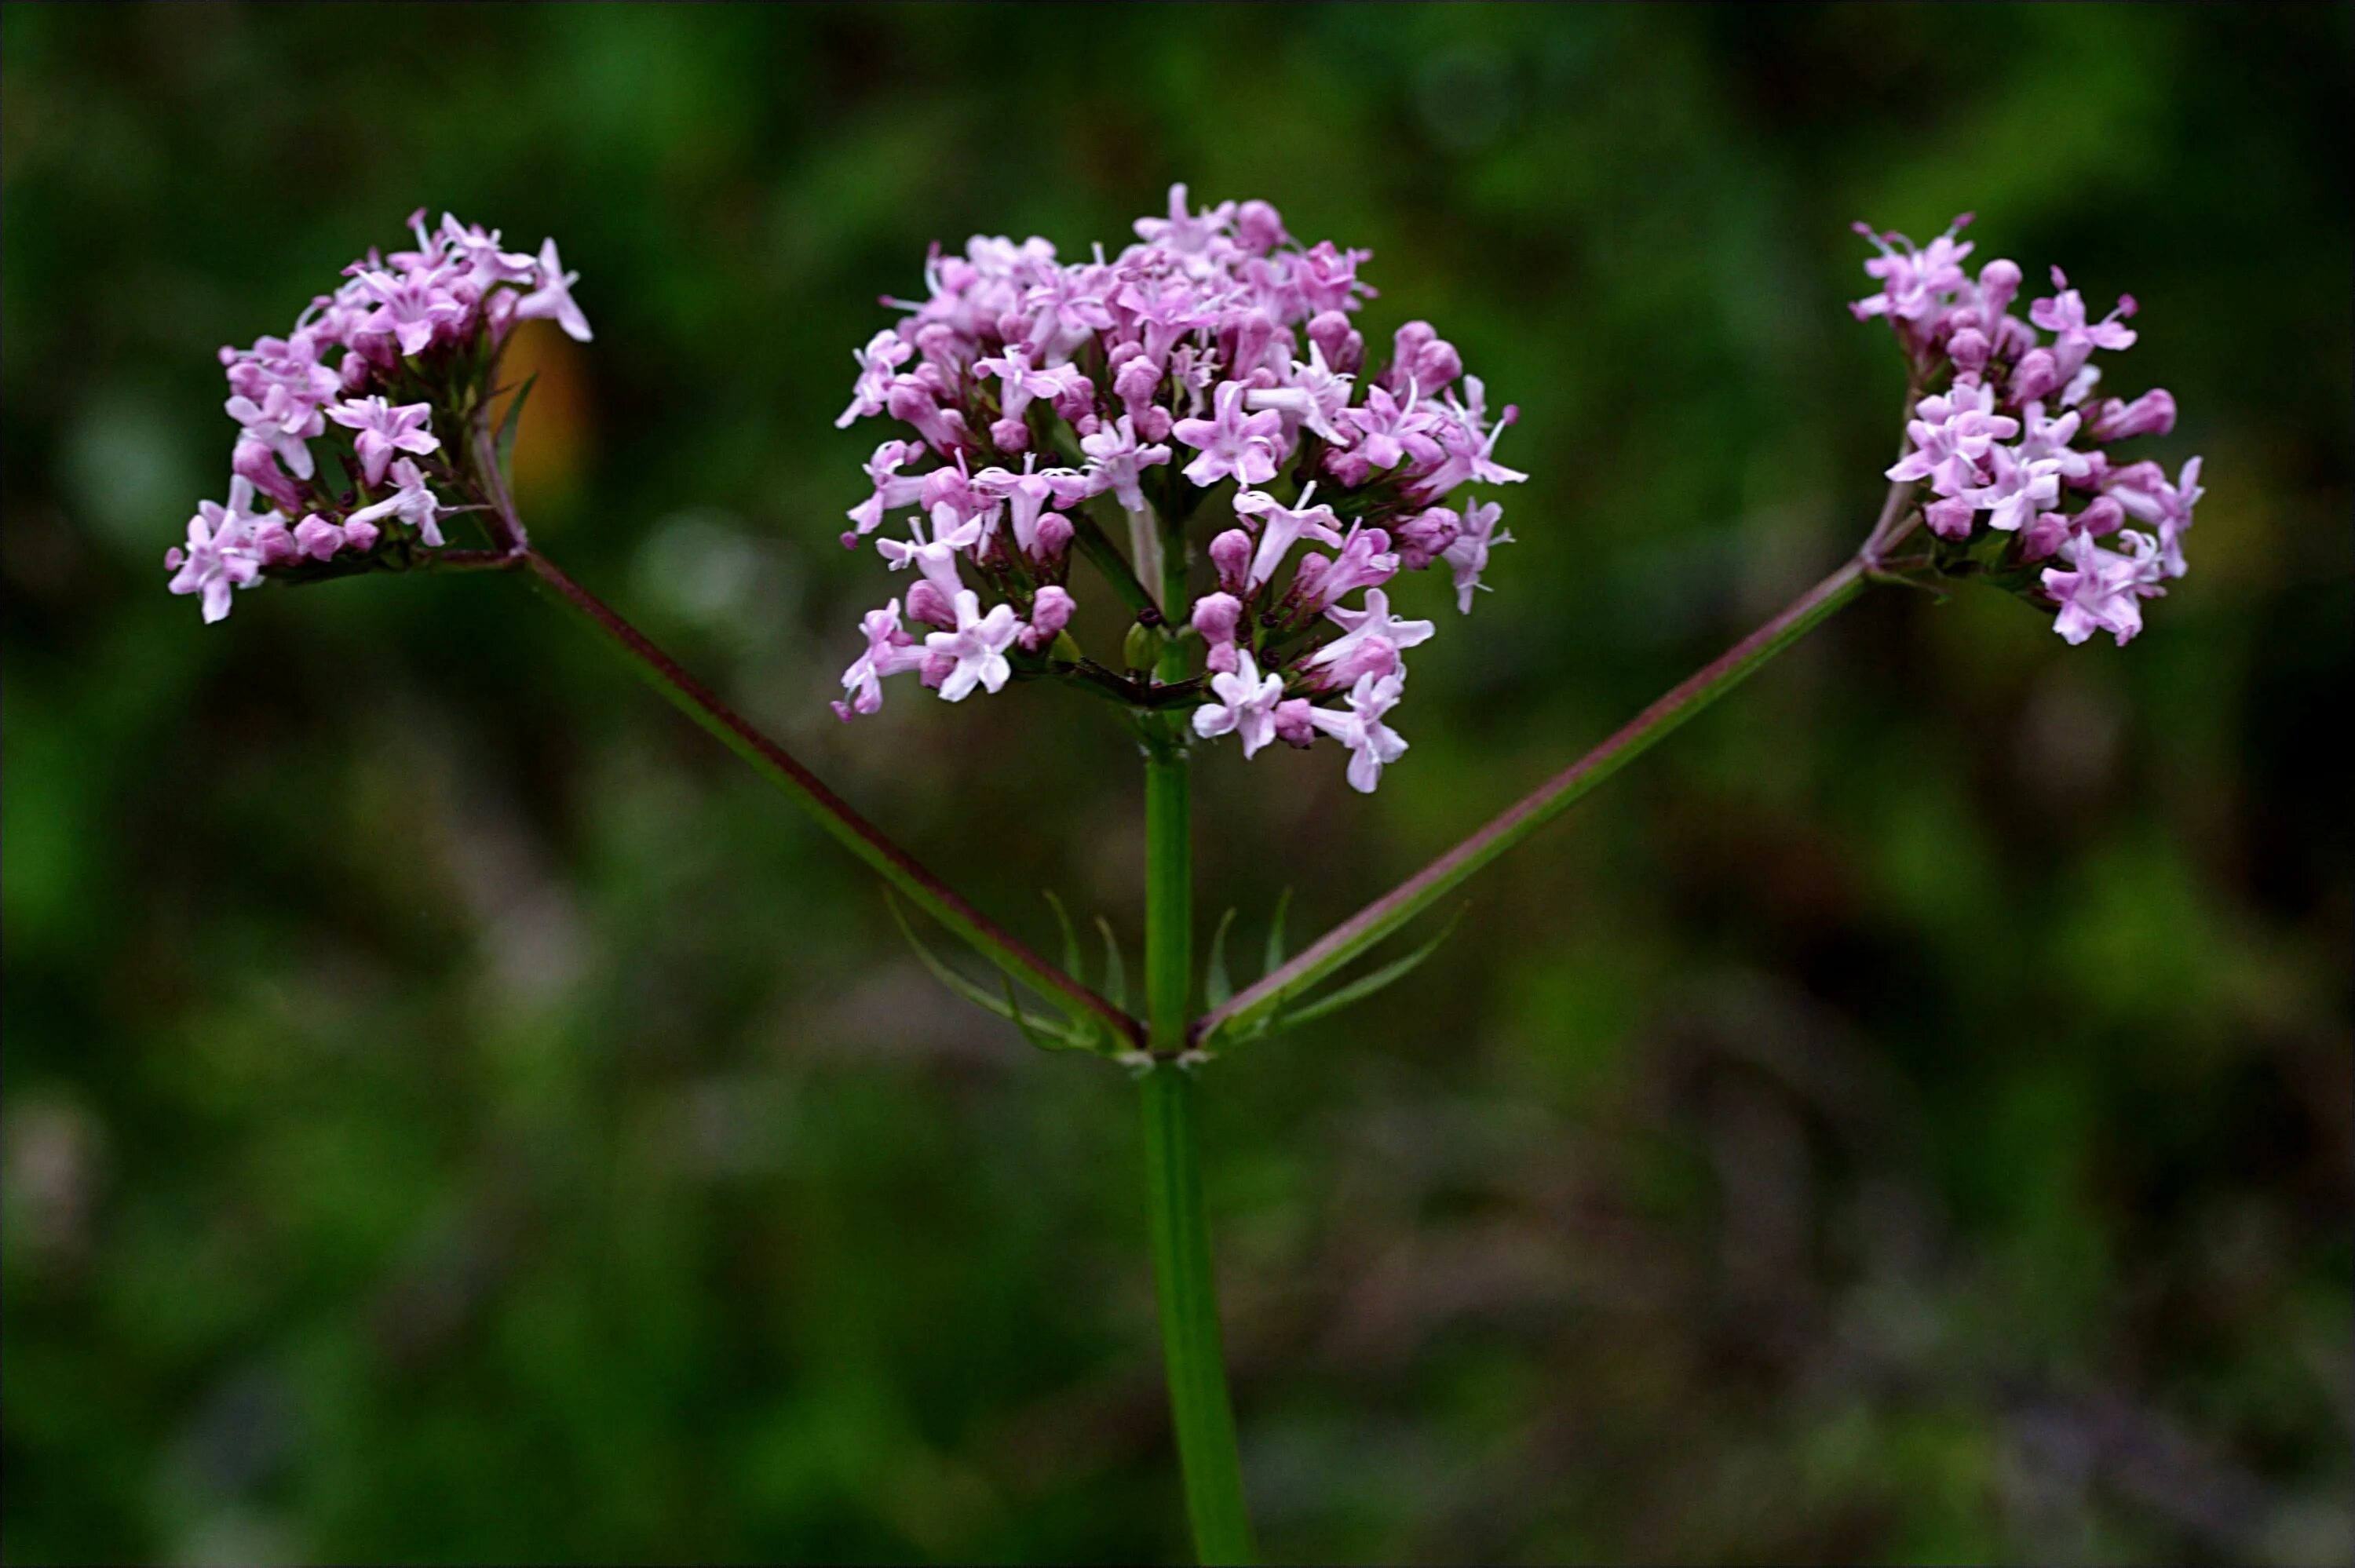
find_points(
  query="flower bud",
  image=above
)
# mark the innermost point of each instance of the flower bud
(251, 461)
(1406, 353)
(2103, 515)
(1950, 517)
(1230, 553)
(1968, 349)
(2042, 537)
(2037, 374)
(1999, 285)
(928, 604)
(1259, 228)
(1141, 648)
(1343, 348)
(1422, 538)
(1437, 365)
(2152, 414)
(318, 538)
(1054, 536)
(1050, 612)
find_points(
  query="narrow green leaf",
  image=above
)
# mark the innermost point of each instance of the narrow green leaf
(1074, 962)
(1116, 985)
(1275, 934)
(1216, 986)
(1367, 985)
(506, 441)
(1071, 1035)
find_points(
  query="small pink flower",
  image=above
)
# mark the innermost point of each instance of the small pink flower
(412, 501)
(1373, 744)
(552, 298)
(1232, 444)
(976, 649)
(890, 652)
(1246, 705)
(383, 429)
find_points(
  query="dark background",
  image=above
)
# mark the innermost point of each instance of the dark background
(454, 1111)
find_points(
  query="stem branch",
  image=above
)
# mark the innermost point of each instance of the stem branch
(830, 811)
(1713, 680)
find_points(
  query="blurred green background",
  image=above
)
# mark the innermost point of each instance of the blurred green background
(452, 1111)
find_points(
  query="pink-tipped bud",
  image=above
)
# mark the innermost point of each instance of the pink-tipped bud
(251, 460)
(272, 543)
(1406, 353)
(1436, 366)
(1253, 333)
(1054, 536)
(1259, 228)
(1422, 538)
(1293, 725)
(2103, 514)
(1230, 553)
(1136, 380)
(940, 345)
(361, 535)
(1216, 616)
(2044, 536)
(1050, 612)
(1968, 349)
(2152, 414)
(928, 604)
(1950, 517)
(1011, 435)
(1999, 285)
(318, 538)
(1343, 347)
(2036, 376)
(1077, 399)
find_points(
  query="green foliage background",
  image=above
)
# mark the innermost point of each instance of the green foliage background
(452, 1113)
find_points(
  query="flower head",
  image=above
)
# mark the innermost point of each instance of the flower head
(404, 346)
(2011, 443)
(1217, 333)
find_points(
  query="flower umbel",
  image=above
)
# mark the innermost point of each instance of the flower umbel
(2013, 447)
(398, 358)
(1204, 384)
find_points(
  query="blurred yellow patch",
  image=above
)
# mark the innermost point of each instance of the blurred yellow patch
(552, 441)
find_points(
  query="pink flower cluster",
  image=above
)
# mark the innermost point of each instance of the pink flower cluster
(1086, 400)
(2014, 446)
(403, 341)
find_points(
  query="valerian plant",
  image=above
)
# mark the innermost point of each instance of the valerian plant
(1203, 387)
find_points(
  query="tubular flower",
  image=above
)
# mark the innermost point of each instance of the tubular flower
(389, 366)
(2012, 446)
(1201, 392)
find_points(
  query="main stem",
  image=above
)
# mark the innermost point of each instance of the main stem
(1186, 1290)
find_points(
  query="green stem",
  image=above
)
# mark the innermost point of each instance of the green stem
(1186, 1289)
(1186, 1292)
